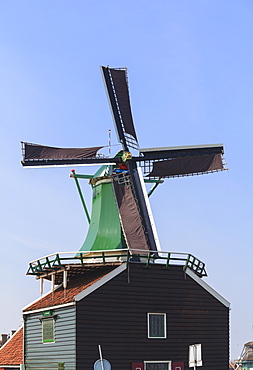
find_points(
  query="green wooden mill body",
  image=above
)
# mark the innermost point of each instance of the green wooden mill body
(104, 231)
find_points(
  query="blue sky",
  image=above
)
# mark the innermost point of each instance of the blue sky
(191, 82)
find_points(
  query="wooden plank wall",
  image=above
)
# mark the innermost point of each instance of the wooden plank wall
(47, 356)
(115, 317)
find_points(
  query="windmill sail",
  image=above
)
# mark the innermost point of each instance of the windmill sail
(186, 166)
(41, 155)
(181, 161)
(118, 95)
(130, 217)
(34, 151)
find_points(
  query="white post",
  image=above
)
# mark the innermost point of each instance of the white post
(41, 285)
(52, 282)
(64, 279)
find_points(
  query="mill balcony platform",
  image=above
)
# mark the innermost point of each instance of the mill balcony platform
(75, 262)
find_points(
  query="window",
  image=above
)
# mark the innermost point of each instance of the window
(48, 330)
(156, 325)
(157, 365)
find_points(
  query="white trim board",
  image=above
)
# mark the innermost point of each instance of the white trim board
(101, 282)
(49, 308)
(207, 287)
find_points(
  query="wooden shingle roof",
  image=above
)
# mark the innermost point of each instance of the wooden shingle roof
(11, 353)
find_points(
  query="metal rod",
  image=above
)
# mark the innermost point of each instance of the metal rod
(153, 189)
(101, 357)
(81, 196)
(168, 260)
(75, 175)
(109, 143)
(195, 356)
(153, 181)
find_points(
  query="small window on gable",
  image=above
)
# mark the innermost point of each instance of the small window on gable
(156, 325)
(48, 330)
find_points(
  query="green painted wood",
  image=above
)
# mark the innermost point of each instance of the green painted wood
(104, 231)
(81, 195)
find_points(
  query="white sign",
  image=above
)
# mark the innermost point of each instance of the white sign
(195, 358)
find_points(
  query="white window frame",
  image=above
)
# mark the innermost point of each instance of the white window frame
(164, 322)
(157, 362)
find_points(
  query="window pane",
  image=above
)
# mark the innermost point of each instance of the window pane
(157, 366)
(157, 325)
(48, 330)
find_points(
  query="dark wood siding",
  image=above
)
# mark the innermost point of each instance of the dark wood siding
(115, 316)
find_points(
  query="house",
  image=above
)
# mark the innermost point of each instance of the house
(143, 314)
(11, 353)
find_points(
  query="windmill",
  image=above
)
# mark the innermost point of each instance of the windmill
(121, 214)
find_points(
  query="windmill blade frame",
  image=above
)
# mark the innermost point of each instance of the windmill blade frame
(116, 85)
(35, 155)
(156, 163)
(181, 161)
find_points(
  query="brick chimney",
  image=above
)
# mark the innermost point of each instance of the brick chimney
(4, 338)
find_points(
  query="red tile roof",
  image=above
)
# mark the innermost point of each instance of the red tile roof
(76, 284)
(11, 353)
